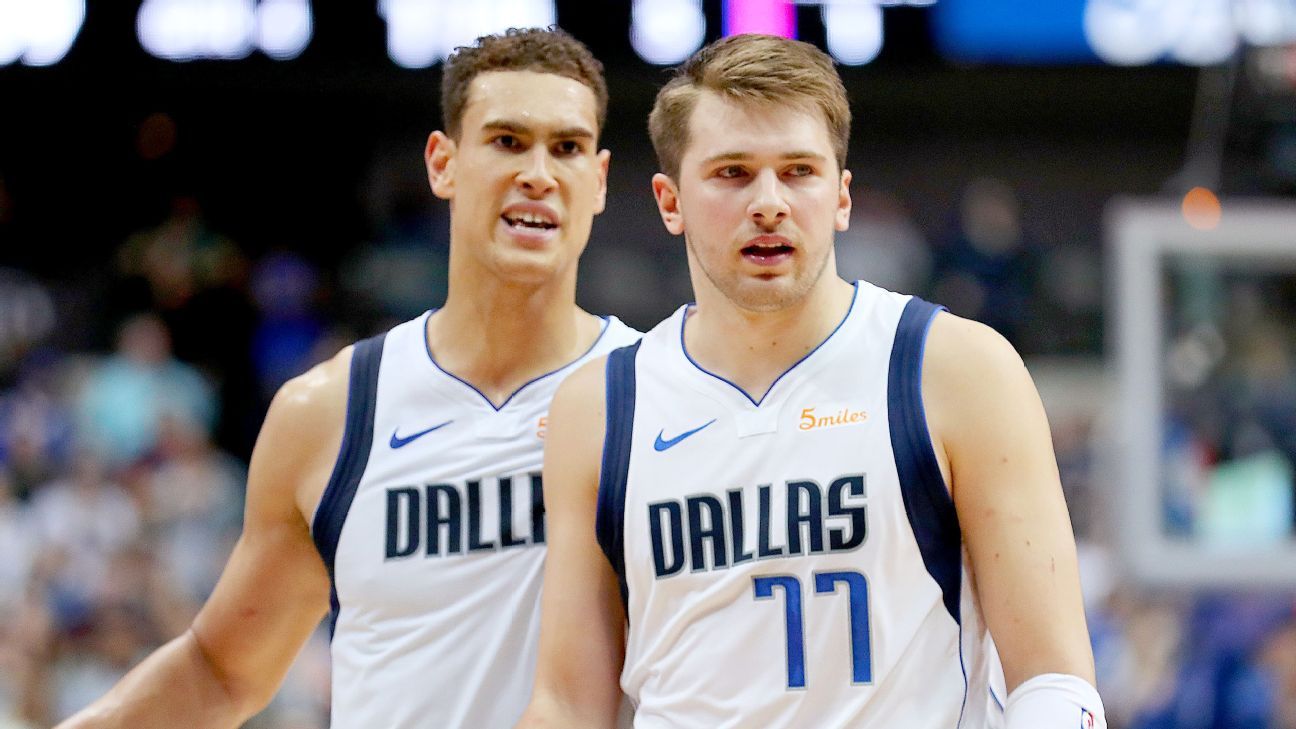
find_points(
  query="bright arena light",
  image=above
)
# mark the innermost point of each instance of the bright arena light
(183, 30)
(410, 26)
(854, 31)
(284, 27)
(1202, 209)
(39, 33)
(1208, 36)
(423, 32)
(1266, 22)
(1137, 32)
(665, 32)
(1125, 32)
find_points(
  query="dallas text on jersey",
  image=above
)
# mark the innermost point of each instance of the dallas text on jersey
(449, 518)
(715, 528)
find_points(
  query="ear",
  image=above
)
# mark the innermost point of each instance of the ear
(600, 201)
(439, 157)
(842, 217)
(668, 203)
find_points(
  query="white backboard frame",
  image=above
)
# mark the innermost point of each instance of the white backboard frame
(1141, 234)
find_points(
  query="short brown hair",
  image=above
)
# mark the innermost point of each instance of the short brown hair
(764, 69)
(544, 50)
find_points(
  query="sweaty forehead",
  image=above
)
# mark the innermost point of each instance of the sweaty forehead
(538, 101)
(728, 127)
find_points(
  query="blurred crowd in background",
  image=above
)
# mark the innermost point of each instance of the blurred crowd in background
(122, 469)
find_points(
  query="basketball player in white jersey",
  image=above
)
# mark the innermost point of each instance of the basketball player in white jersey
(400, 481)
(800, 502)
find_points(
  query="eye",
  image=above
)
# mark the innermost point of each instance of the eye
(800, 171)
(568, 147)
(731, 172)
(507, 141)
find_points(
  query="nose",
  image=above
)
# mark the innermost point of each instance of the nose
(536, 179)
(768, 205)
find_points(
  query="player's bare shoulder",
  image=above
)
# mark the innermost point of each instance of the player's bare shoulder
(302, 433)
(573, 444)
(977, 394)
(579, 403)
(961, 352)
(321, 390)
(967, 366)
(584, 386)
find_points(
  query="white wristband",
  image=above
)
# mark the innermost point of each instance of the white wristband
(1055, 701)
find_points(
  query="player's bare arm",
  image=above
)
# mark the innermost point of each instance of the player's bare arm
(582, 625)
(992, 438)
(274, 589)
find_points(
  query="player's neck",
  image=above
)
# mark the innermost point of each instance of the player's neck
(497, 337)
(752, 349)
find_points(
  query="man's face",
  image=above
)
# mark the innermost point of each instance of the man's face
(525, 178)
(758, 199)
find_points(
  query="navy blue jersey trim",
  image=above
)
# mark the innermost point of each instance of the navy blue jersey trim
(607, 326)
(357, 440)
(963, 669)
(808, 355)
(610, 517)
(927, 500)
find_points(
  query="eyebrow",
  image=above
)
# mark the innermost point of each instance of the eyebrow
(504, 125)
(738, 156)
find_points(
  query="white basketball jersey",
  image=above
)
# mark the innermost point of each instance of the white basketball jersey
(796, 561)
(432, 527)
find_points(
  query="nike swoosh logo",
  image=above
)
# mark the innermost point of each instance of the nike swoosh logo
(662, 444)
(399, 442)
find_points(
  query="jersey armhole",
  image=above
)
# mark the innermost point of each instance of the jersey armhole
(926, 498)
(353, 456)
(609, 518)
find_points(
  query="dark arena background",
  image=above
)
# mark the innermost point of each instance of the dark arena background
(200, 199)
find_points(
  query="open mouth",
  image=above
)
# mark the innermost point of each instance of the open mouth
(771, 252)
(528, 221)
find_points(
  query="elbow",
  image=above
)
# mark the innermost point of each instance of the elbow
(551, 712)
(229, 694)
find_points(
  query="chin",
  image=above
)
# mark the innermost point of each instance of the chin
(758, 295)
(529, 267)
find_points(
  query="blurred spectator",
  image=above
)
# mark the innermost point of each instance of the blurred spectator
(115, 639)
(1278, 661)
(81, 522)
(982, 269)
(164, 267)
(26, 317)
(1231, 392)
(883, 244)
(17, 545)
(284, 287)
(1064, 314)
(26, 640)
(405, 270)
(1258, 393)
(1186, 466)
(135, 610)
(125, 396)
(36, 432)
(1222, 682)
(196, 280)
(1137, 641)
(192, 504)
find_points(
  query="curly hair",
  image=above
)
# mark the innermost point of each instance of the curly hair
(544, 50)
